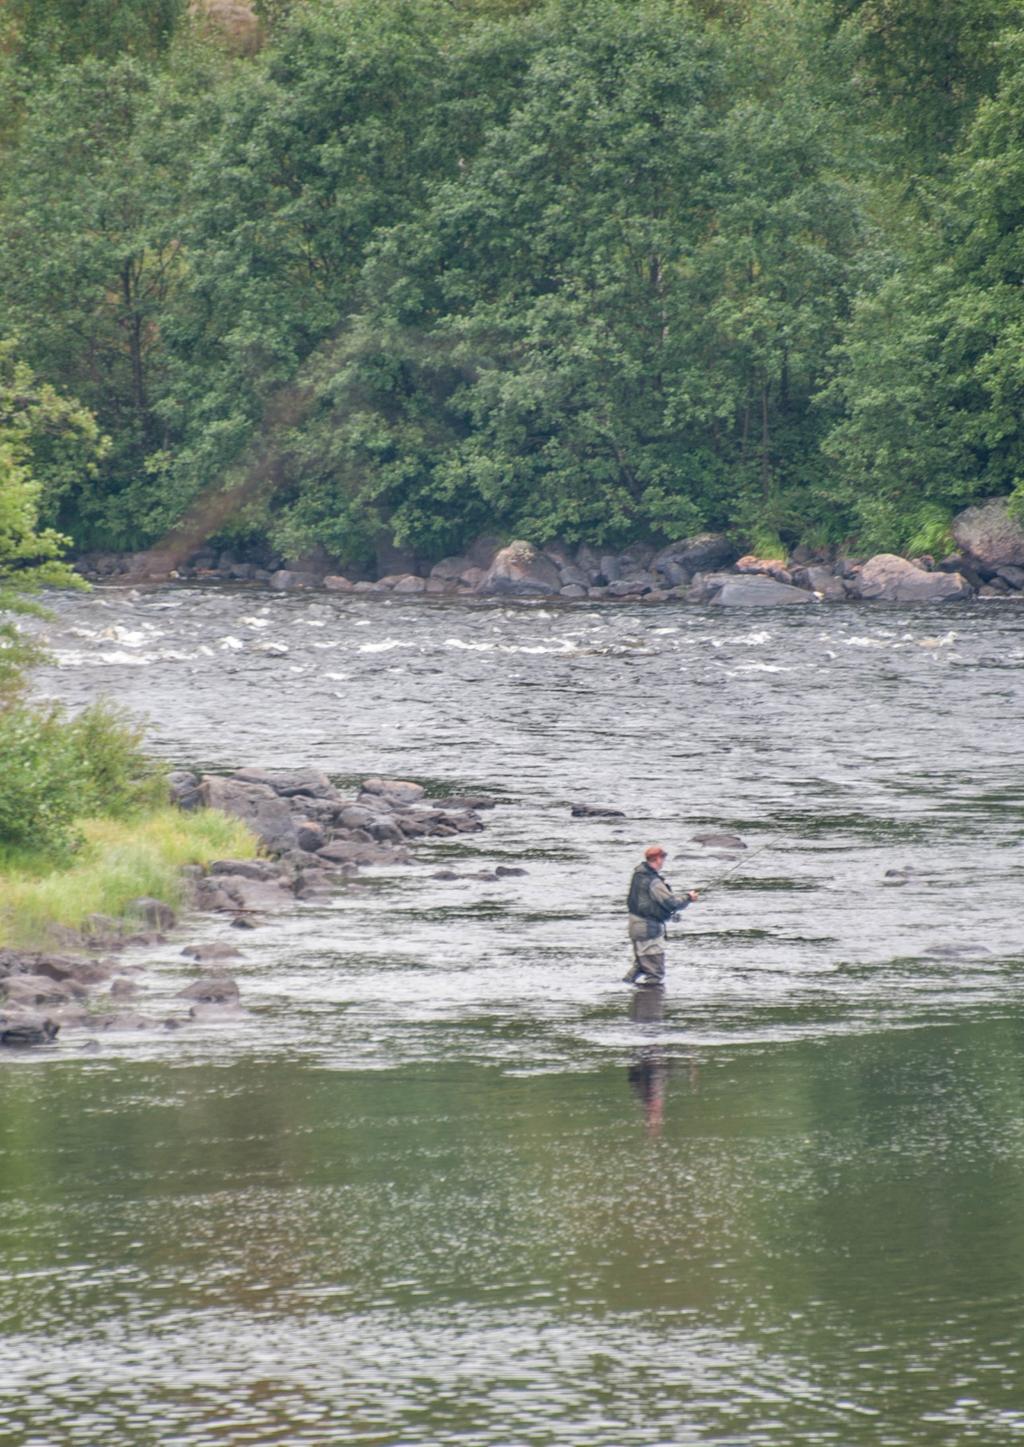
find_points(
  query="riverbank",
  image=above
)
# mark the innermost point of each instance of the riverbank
(122, 863)
(198, 855)
(986, 561)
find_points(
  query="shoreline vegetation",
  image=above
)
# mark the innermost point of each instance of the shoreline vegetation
(364, 279)
(122, 867)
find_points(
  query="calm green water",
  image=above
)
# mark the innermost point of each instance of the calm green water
(807, 1242)
(445, 1182)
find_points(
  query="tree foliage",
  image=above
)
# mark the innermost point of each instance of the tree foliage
(423, 268)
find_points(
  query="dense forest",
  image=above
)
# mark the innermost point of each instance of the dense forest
(342, 270)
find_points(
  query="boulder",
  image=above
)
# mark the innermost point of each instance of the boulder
(41, 990)
(310, 835)
(596, 811)
(27, 1030)
(183, 788)
(719, 841)
(632, 587)
(256, 805)
(394, 791)
(410, 583)
(335, 583)
(887, 578)
(572, 590)
(520, 570)
(771, 567)
(246, 868)
(705, 586)
(1012, 575)
(450, 570)
(821, 580)
(351, 851)
(287, 581)
(289, 782)
(212, 990)
(698, 554)
(990, 535)
(758, 591)
(156, 914)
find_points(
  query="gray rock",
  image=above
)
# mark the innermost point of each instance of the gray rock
(335, 583)
(123, 989)
(706, 586)
(504, 871)
(285, 580)
(395, 791)
(596, 811)
(450, 570)
(387, 830)
(212, 990)
(887, 578)
(155, 912)
(698, 554)
(256, 805)
(310, 835)
(570, 574)
(990, 535)
(246, 868)
(26, 1030)
(631, 587)
(410, 583)
(720, 841)
(758, 591)
(290, 783)
(609, 568)
(1010, 574)
(821, 580)
(520, 571)
(183, 788)
(342, 851)
(40, 990)
(572, 590)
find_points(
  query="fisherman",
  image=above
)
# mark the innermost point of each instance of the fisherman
(651, 904)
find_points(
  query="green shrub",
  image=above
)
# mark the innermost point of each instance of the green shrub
(119, 777)
(43, 780)
(55, 769)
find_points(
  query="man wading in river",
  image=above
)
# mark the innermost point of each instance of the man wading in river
(651, 905)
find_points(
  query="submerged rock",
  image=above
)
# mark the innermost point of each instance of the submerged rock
(27, 1030)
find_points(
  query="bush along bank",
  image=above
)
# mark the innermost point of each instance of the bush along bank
(985, 561)
(237, 849)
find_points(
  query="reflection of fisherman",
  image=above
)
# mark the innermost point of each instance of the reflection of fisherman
(651, 904)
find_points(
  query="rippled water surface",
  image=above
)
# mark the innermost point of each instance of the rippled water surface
(447, 1181)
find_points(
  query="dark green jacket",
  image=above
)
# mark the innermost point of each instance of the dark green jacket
(651, 897)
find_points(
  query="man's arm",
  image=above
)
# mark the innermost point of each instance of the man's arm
(663, 896)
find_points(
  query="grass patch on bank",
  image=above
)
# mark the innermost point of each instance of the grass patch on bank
(119, 860)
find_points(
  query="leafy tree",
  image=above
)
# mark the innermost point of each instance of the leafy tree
(329, 139)
(611, 319)
(29, 562)
(45, 34)
(932, 387)
(90, 256)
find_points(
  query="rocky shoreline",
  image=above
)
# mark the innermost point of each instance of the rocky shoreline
(988, 563)
(315, 841)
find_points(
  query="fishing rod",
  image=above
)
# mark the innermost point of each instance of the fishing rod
(743, 859)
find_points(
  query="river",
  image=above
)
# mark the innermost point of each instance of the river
(449, 1181)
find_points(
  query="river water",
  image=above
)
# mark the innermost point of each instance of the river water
(449, 1181)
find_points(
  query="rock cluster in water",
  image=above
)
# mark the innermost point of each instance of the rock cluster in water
(706, 569)
(315, 839)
